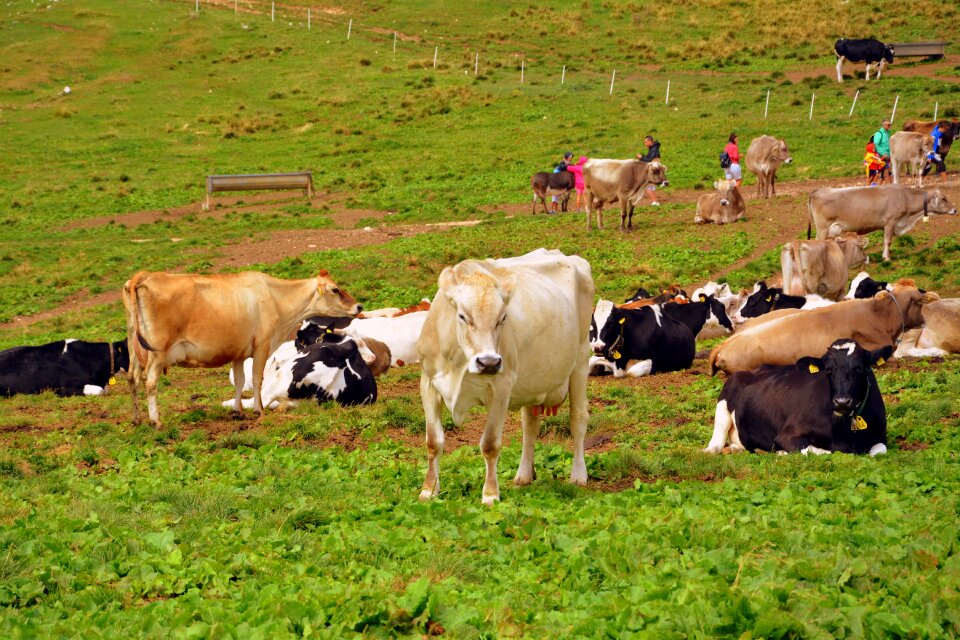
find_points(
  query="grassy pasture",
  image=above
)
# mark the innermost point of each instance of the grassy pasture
(306, 523)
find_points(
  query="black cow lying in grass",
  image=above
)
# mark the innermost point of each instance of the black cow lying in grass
(765, 299)
(818, 405)
(637, 342)
(66, 367)
(863, 286)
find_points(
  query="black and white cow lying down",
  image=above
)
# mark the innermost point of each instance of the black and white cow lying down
(66, 367)
(637, 342)
(765, 299)
(863, 286)
(318, 364)
(818, 405)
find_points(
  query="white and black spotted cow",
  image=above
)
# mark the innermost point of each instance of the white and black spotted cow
(868, 50)
(318, 364)
(66, 367)
(818, 405)
(863, 286)
(707, 311)
(637, 342)
(765, 299)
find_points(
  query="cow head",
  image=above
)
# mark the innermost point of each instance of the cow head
(847, 367)
(863, 286)
(610, 339)
(888, 52)
(480, 303)
(601, 313)
(716, 312)
(319, 328)
(909, 302)
(937, 203)
(657, 173)
(854, 248)
(725, 189)
(762, 300)
(332, 299)
(780, 152)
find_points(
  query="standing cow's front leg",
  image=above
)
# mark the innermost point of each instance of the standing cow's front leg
(887, 240)
(840, 69)
(432, 408)
(492, 440)
(531, 428)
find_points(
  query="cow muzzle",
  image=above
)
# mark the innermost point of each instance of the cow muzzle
(724, 202)
(486, 364)
(842, 405)
(665, 183)
(788, 161)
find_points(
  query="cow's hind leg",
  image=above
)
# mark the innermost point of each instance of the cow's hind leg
(579, 417)
(432, 407)
(239, 378)
(134, 378)
(154, 368)
(531, 428)
(840, 69)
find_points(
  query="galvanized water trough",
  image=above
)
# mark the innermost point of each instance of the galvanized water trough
(259, 182)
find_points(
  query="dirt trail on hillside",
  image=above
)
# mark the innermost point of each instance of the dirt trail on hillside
(775, 221)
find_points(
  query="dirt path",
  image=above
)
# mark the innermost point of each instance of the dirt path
(903, 70)
(771, 219)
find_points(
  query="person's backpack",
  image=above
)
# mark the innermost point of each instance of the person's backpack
(725, 160)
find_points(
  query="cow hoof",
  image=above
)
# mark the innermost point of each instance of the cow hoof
(490, 500)
(522, 481)
(426, 495)
(713, 450)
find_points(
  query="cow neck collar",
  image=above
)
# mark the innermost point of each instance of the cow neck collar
(615, 347)
(903, 324)
(863, 405)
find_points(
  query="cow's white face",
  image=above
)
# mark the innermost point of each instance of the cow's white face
(782, 154)
(938, 203)
(480, 303)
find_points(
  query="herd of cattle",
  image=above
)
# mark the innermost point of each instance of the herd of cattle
(525, 333)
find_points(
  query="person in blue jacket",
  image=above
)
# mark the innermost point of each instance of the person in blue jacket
(934, 159)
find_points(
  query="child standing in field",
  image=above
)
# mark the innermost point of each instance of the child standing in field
(653, 153)
(577, 171)
(733, 172)
(561, 166)
(874, 165)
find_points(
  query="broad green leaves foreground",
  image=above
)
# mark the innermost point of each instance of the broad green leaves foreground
(202, 539)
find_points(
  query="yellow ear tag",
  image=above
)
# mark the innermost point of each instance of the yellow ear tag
(814, 368)
(880, 362)
(859, 424)
(329, 331)
(768, 298)
(615, 354)
(112, 380)
(622, 320)
(703, 298)
(926, 218)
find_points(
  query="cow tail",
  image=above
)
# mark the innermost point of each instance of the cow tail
(135, 309)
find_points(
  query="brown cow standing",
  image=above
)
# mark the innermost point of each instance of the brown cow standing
(821, 266)
(622, 181)
(893, 208)
(723, 206)
(910, 148)
(764, 157)
(210, 321)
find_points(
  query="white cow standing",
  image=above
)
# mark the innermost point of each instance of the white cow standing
(508, 334)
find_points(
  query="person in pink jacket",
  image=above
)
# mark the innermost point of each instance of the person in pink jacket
(577, 171)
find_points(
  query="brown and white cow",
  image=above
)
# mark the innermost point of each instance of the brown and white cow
(764, 157)
(926, 127)
(911, 149)
(893, 208)
(621, 181)
(723, 206)
(508, 334)
(210, 321)
(545, 184)
(821, 266)
(783, 340)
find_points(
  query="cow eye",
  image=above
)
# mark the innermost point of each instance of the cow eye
(462, 318)
(502, 320)
(336, 290)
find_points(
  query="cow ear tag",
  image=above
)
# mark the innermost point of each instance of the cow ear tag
(703, 298)
(615, 354)
(112, 380)
(329, 331)
(859, 424)
(926, 218)
(622, 320)
(880, 362)
(769, 298)
(814, 368)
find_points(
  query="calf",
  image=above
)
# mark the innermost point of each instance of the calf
(764, 157)
(765, 299)
(868, 50)
(818, 405)
(723, 206)
(66, 367)
(821, 266)
(638, 342)
(551, 184)
(863, 286)
(912, 149)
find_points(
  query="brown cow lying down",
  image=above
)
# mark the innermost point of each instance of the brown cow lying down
(821, 266)
(940, 334)
(723, 206)
(783, 340)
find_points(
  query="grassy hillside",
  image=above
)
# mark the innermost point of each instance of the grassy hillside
(306, 523)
